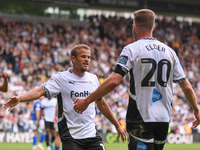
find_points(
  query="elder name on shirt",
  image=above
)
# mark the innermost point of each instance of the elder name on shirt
(155, 47)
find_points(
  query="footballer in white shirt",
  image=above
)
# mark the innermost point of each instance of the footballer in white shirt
(48, 106)
(153, 67)
(77, 131)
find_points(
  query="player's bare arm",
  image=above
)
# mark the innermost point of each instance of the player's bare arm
(4, 86)
(55, 120)
(29, 96)
(37, 113)
(191, 97)
(105, 110)
(107, 86)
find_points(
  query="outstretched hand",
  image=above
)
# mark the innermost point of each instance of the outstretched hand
(11, 103)
(80, 105)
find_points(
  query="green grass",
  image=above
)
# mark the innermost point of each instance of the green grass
(114, 146)
(123, 146)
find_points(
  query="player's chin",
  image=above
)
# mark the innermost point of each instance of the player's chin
(84, 69)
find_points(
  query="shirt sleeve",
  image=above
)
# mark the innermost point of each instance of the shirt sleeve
(124, 63)
(178, 74)
(52, 86)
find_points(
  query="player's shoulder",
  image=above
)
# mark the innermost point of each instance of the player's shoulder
(91, 77)
(133, 46)
(168, 48)
(89, 74)
(62, 74)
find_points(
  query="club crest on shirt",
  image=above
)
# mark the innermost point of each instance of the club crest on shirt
(123, 59)
(93, 83)
(51, 79)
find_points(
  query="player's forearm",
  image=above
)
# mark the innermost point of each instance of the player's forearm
(38, 115)
(107, 86)
(32, 95)
(105, 110)
(56, 111)
(191, 97)
(4, 87)
(189, 94)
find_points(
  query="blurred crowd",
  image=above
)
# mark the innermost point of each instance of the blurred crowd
(32, 52)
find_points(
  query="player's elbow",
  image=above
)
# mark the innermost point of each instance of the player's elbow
(100, 107)
(187, 89)
(103, 108)
(115, 79)
(186, 86)
(114, 82)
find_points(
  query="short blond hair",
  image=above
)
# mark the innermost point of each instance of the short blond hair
(77, 47)
(144, 18)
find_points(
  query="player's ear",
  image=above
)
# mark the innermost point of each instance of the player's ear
(154, 28)
(136, 27)
(73, 59)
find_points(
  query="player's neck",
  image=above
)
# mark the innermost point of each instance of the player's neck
(78, 72)
(145, 34)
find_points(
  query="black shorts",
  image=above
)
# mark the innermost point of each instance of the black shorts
(150, 136)
(94, 143)
(49, 125)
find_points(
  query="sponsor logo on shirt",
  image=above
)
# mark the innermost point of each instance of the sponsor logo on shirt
(156, 96)
(141, 146)
(93, 83)
(74, 94)
(72, 82)
(123, 59)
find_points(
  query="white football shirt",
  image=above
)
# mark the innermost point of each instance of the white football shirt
(69, 87)
(49, 106)
(153, 66)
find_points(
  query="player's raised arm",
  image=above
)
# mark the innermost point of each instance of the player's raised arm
(29, 96)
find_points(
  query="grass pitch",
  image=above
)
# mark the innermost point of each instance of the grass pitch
(124, 146)
(113, 146)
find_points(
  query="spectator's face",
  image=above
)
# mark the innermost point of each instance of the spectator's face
(82, 60)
